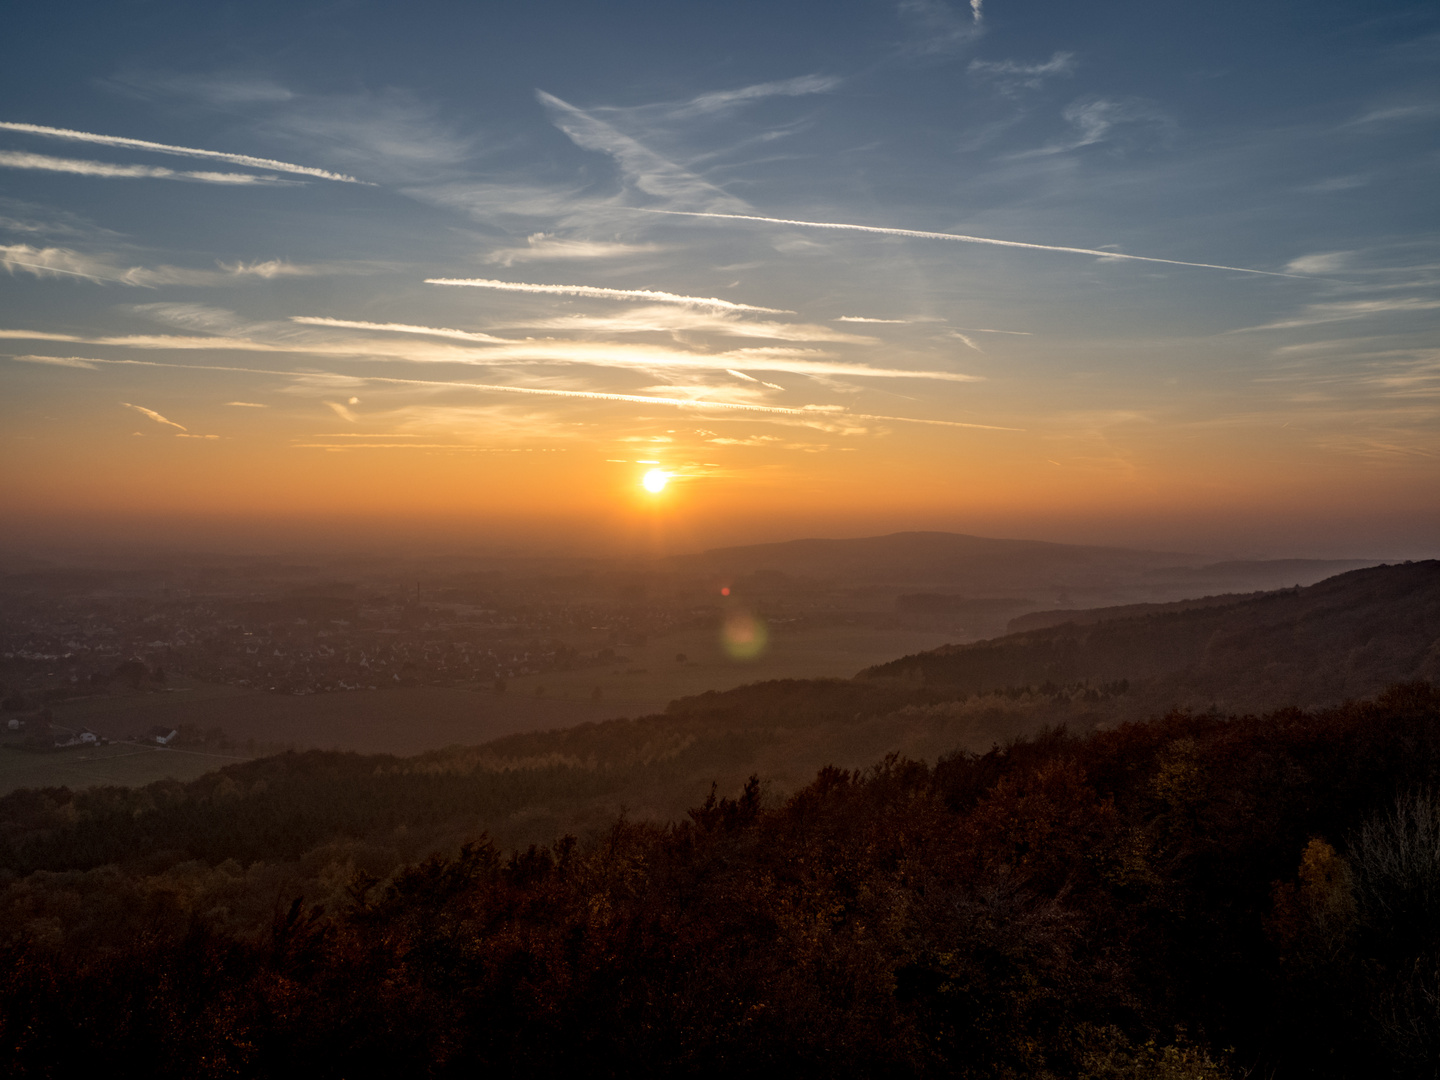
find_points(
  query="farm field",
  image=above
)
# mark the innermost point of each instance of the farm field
(643, 678)
(124, 764)
(402, 720)
(412, 720)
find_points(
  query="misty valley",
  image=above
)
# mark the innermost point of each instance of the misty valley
(976, 807)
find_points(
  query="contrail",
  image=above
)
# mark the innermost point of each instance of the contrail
(607, 294)
(957, 237)
(179, 151)
(401, 328)
(80, 167)
(812, 412)
(153, 415)
(52, 269)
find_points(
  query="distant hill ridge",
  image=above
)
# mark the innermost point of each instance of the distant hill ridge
(1348, 636)
(986, 567)
(929, 556)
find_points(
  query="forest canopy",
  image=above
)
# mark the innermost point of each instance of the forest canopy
(1194, 895)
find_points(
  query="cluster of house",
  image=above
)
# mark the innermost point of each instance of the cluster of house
(71, 646)
(64, 738)
(157, 735)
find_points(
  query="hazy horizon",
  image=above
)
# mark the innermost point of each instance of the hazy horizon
(75, 544)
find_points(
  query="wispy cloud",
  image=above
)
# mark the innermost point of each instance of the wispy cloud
(178, 151)
(1343, 310)
(632, 356)
(153, 415)
(939, 27)
(1010, 75)
(247, 404)
(14, 159)
(270, 269)
(219, 89)
(1096, 119)
(599, 293)
(542, 247)
(51, 261)
(646, 170)
(392, 135)
(37, 335)
(398, 328)
(918, 234)
(342, 411)
(678, 320)
(460, 448)
(721, 101)
(1327, 262)
(1394, 113)
(58, 361)
(47, 221)
(1332, 184)
(864, 319)
(751, 378)
(809, 412)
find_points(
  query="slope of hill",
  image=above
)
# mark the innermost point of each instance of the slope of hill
(1346, 637)
(1039, 620)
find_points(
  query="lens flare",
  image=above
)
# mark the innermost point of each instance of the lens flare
(743, 635)
(655, 481)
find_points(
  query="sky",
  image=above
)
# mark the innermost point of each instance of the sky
(1155, 274)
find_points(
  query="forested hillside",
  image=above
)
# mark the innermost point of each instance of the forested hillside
(1347, 636)
(1195, 896)
(522, 789)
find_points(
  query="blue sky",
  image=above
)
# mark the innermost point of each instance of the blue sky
(228, 228)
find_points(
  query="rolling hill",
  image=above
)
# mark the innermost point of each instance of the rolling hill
(1347, 637)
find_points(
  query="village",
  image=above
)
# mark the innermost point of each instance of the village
(66, 639)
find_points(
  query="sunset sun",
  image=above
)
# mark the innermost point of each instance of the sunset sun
(655, 481)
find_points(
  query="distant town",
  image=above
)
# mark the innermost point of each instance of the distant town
(65, 634)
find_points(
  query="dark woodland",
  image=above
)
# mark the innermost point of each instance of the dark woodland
(1196, 895)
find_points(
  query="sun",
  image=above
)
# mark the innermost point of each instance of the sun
(655, 481)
